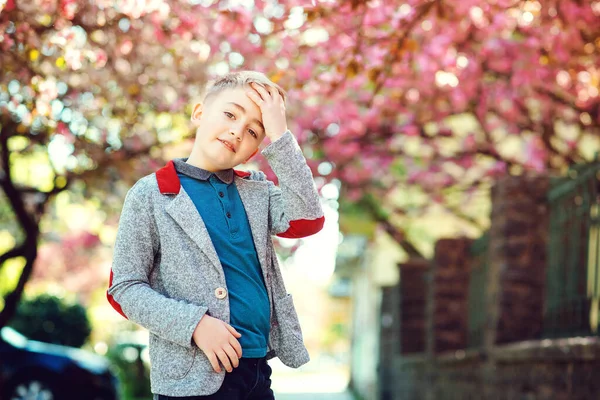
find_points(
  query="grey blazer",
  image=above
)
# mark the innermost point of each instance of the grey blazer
(166, 273)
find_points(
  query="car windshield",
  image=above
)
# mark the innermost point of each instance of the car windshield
(13, 337)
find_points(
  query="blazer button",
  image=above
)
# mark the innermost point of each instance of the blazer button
(220, 293)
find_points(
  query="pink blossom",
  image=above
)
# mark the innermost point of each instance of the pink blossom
(411, 130)
(305, 71)
(234, 23)
(497, 170)
(469, 143)
(536, 154)
(466, 162)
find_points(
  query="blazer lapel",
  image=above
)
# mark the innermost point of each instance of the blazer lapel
(255, 197)
(184, 212)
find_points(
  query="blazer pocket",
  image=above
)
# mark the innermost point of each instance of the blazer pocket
(287, 338)
(170, 359)
(287, 318)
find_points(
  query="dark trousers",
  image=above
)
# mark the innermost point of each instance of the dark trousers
(251, 380)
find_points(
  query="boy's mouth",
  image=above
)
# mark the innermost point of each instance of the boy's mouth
(228, 145)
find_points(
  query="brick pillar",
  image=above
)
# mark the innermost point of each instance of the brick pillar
(450, 294)
(517, 276)
(413, 296)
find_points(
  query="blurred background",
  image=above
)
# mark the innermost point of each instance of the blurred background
(454, 146)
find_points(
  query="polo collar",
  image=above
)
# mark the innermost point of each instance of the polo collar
(168, 180)
(181, 166)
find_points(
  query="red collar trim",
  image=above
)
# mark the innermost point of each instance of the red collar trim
(241, 174)
(168, 181)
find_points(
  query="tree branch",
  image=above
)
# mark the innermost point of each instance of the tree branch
(11, 301)
(394, 53)
(395, 233)
(461, 215)
(28, 248)
(18, 251)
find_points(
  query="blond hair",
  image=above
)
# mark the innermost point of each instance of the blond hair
(239, 79)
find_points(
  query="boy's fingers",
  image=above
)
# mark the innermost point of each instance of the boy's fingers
(281, 100)
(278, 97)
(232, 330)
(235, 361)
(224, 360)
(264, 92)
(236, 346)
(255, 98)
(269, 90)
(214, 362)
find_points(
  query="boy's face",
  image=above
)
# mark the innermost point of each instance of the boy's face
(229, 130)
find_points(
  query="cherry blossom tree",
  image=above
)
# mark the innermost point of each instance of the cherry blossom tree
(446, 96)
(384, 95)
(434, 95)
(90, 93)
(390, 74)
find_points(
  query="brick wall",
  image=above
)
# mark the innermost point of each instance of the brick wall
(450, 294)
(559, 369)
(413, 289)
(518, 240)
(513, 363)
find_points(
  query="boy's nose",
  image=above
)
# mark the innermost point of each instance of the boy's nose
(237, 134)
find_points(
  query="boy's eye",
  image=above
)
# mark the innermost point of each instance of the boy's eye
(252, 133)
(229, 115)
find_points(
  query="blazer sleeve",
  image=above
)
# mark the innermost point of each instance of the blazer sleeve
(294, 207)
(129, 290)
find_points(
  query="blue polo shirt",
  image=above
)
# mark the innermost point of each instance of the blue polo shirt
(217, 200)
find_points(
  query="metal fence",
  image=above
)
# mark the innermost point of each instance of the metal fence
(573, 273)
(477, 289)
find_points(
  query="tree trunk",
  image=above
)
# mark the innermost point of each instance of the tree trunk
(11, 301)
(28, 220)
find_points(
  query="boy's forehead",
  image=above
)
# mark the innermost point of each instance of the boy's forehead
(235, 92)
(238, 96)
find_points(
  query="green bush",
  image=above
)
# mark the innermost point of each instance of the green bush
(133, 373)
(49, 319)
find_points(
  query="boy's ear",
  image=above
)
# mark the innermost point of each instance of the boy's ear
(197, 112)
(252, 155)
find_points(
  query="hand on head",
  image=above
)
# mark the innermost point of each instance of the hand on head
(272, 107)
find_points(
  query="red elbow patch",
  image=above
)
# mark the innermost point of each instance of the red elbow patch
(112, 301)
(303, 227)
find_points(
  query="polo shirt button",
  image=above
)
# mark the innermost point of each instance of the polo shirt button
(221, 194)
(228, 215)
(220, 293)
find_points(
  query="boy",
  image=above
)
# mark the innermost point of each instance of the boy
(194, 261)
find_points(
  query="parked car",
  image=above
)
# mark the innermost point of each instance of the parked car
(35, 370)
